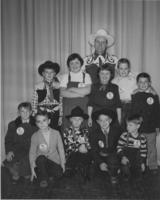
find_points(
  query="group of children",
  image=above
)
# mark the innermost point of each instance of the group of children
(36, 146)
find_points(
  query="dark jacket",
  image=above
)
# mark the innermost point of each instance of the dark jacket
(146, 105)
(96, 137)
(18, 137)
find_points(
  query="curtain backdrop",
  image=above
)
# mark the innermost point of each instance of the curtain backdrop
(34, 31)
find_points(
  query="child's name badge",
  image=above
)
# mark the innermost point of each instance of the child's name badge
(20, 131)
(109, 95)
(137, 143)
(101, 144)
(150, 100)
(80, 85)
(43, 147)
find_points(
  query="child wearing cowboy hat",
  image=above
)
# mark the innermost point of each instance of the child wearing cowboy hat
(46, 95)
(17, 143)
(76, 143)
(103, 140)
(100, 42)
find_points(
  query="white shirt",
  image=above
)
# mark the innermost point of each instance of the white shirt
(75, 77)
(46, 136)
(126, 86)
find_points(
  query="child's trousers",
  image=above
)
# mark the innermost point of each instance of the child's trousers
(47, 168)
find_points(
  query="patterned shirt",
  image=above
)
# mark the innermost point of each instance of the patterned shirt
(126, 140)
(74, 138)
(46, 103)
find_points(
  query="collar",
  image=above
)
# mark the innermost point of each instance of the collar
(25, 121)
(105, 131)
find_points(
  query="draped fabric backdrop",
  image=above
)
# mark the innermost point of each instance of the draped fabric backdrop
(34, 31)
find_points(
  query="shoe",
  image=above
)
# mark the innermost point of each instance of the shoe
(43, 184)
(114, 180)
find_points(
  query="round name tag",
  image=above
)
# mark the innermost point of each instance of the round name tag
(81, 85)
(20, 131)
(137, 143)
(43, 147)
(150, 100)
(101, 144)
(109, 95)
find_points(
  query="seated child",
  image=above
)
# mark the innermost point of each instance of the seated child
(17, 142)
(76, 144)
(103, 141)
(46, 151)
(126, 82)
(132, 149)
(145, 102)
(46, 95)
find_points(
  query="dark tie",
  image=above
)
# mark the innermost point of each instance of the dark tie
(106, 135)
(100, 62)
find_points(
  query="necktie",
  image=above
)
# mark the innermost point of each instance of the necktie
(106, 135)
(100, 62)
(50, 91)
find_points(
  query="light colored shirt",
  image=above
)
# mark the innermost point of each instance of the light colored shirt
(126, 86)
(75, 77)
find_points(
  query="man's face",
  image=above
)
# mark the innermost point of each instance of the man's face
(104, 121)
(100, 45)
(48, 74)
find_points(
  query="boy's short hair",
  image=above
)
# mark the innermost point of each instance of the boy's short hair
(143, 75)
(136, 118)
(73, 56)
(124, 60)
(25, 105)
(42, 113)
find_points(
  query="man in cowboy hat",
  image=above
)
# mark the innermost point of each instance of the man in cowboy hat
(100, 42)
(103, 140)
(46, 95)
(76, 143)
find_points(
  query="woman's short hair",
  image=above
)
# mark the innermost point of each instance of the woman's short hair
(109, 68)
(73, 56)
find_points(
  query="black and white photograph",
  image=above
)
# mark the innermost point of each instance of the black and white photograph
(80, 107)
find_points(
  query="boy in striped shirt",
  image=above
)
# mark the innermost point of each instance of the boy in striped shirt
(132, 149)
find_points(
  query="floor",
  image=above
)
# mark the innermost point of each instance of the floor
(98, 187)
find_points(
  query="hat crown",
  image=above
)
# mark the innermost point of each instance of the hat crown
(101, 32)
(77, 111)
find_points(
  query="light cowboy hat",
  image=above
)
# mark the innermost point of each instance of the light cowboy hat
(104, 34)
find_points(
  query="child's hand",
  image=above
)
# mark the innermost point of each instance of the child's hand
(82, 148)
(60, 121)
(33, 173)
(124, 160)
(103, 167)
(10, 156)
(143, 167)
(63, 167)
